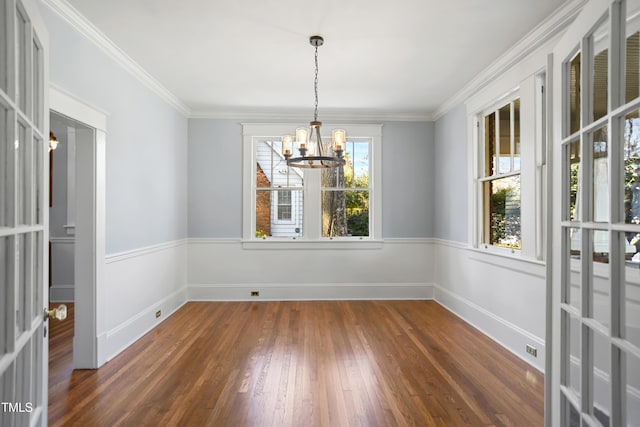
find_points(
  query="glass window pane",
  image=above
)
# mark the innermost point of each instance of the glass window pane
(22, 282)
(268, 210)
(600, 176)
(345, 213)
(6, 261)
(6, 153)
(600, 44)
(516, 134)
(600, 378)
(632, 168)
(601, 277)
(572, 294)
(38, 98)
(38, 165)
(631, 322)
(355, 172)
(502, 212)
(271, 167)
(504, 153)
(490, 144)
(574, 94)
(632, 387)
(632, 51)
(572, 353)
(21, 46)
(571, 416)
(4, 54)
(574, 178)
(22, 175)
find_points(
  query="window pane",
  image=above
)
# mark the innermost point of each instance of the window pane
(38, 97)
(574, 178)
(271, 167)
(516, 136)
(4, 55)
(502, 212)
(632, 168)
(355, 172)
(21, 46)
(6, 280)
(574, 94)
(274, 220)
(632, 71)
(572, 294)
(632, 387)
(6, 161)
(600, 44)
(504, 160)
(600, 378)
(601, 282)
(631, 280)
(345, 213)
(571, 359)
(600, 176)
(22, 175)
(284, 205)
(490, 144)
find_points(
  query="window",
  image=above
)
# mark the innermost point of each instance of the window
(283, 203)
(500, 176)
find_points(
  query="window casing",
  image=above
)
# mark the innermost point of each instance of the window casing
(286, 204)
(507, 137)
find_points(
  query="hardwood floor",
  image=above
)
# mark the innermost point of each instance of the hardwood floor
(311, 363)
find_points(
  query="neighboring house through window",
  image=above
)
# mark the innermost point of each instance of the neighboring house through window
(311, 204)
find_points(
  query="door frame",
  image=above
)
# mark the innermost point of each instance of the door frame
(89, 258)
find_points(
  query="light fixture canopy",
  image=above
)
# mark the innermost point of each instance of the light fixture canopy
(309, 140)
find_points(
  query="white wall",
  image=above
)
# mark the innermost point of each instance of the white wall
(146, 190)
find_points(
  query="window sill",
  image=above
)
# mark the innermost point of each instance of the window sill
(273, 244)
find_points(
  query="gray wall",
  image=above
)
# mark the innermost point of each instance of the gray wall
(215, 178)
(146, 144)
(451, 176)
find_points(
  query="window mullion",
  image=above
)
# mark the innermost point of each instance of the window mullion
(312, 205)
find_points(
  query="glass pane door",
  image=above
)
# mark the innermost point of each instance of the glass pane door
(598, 217)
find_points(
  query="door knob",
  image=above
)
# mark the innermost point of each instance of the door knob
(59, 313)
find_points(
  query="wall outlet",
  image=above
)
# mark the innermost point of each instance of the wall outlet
(158, 313)
(255, 293)
(532, 351)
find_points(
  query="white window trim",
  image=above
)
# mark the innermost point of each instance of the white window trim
(312, 233)
(525, 81)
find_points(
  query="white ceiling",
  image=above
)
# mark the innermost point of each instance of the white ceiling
(379, 57)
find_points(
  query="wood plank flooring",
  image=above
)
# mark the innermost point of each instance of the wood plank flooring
(311, 363)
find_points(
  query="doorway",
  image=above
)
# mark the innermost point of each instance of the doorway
(77, 218)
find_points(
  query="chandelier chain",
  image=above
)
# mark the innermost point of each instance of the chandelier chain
(315, 88)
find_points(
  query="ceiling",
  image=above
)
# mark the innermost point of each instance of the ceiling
(402, 57)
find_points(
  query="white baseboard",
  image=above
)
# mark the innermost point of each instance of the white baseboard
(508, 335)
(62, 293)
(287, 292)
(122, 336)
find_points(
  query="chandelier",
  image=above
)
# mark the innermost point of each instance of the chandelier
(309, 140)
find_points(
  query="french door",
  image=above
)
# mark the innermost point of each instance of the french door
(23, 214)
(595, 250)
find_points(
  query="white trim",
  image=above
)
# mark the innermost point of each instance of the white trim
(557, 22)
(273, 243)
(126, 333)
(505, 333)
(125, 255)
(98, 38)
(62, 240)
(231, 113)
(73, 107)
(310, 292)
(62, 293)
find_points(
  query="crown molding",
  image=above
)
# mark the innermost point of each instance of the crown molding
(81, 24)
(304, 115)
(555, 24)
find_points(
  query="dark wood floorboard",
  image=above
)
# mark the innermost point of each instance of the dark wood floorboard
(311, 363)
